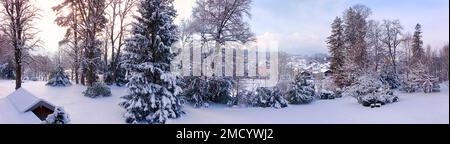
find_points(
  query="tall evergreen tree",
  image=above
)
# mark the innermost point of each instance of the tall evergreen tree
(153, 89)
(417, 47)
(337, 50)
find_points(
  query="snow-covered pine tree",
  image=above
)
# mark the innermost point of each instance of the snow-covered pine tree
(59, 78)
(153, 90)
(261, 97)
(97, 89)
(418, 53)
(276, 99)
(301, 92)
(7, 71)
(58, 117)
(337, 50)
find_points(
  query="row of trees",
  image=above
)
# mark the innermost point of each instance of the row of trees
(359, 46)
(94, 28)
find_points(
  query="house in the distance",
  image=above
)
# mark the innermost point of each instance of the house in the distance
(22, 107)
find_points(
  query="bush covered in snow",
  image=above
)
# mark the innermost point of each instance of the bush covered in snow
(242, 99)
(301, 92)
(220, 89)
(370, 90)
(265, 97)
(324, 94)
(195, 90)
(58, 117)
(59, 78)
(201, 90)
(97, 90)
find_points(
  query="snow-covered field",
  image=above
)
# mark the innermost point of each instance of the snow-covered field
(418, 108)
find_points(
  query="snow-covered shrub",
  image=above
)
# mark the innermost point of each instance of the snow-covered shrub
(301, 92)
(220, 89)
(338, 93)
(97, 90)
(370, 90)
(201, 90)
(265, 97)
(58, 117)
(196, 91)
(324, 94)
(242, 99)
(59, 78)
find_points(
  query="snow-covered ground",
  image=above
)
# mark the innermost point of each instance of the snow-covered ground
(418, 108)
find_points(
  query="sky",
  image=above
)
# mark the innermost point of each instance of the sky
(300, 26)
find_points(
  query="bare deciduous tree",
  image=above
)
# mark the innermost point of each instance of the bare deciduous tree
(391, 39)
(17, 24)
(223, 21)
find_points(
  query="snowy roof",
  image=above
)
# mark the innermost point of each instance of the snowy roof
(23, 100)
(16, 107)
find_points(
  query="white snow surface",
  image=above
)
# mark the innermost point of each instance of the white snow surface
(416, 108)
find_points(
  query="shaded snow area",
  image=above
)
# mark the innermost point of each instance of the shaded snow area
(416, 108)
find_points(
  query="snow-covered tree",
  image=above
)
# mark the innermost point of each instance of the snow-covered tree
(58, 117)
(59, 78)
(337, 50)
(276, 99)
(301, 92)
(153, 90)
(391, 39)
(98, 89)
(7, 71)
(420, 80)
(17, 24)
(355, 30)
(418, 53)
(223, 21)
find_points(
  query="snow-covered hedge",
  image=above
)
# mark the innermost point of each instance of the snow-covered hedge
(58, 117)
(97, 90)
(370, 90)
(59, 78)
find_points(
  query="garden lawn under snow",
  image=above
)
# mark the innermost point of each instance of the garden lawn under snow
(417, 108)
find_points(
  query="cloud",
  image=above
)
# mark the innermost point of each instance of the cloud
(293, 43)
